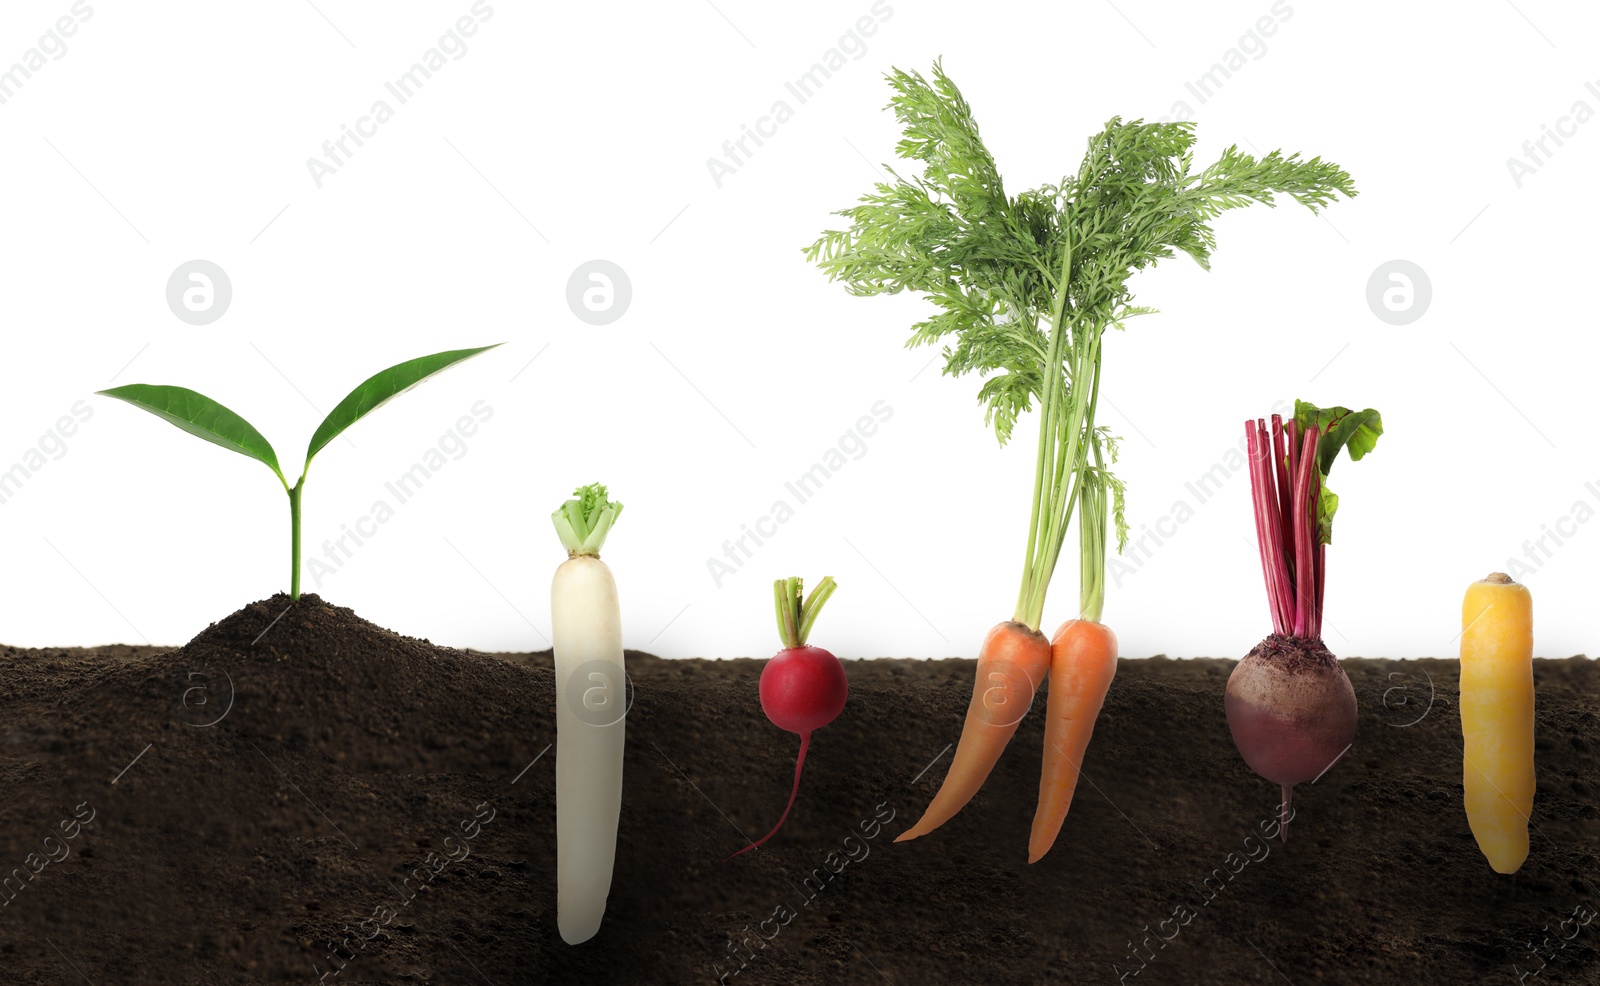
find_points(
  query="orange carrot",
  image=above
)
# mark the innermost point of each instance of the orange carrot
(1026, 287)
(1083, 660)
(1011, 666)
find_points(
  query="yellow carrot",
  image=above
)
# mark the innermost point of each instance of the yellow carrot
(1497, 717)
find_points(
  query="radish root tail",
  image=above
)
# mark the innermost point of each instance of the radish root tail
(805, 744)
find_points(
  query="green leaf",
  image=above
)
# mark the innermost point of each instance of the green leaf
(381, 388)
(202, 417)
(1340, 427)
(583, 522)
(941, 132)
(1327, 506)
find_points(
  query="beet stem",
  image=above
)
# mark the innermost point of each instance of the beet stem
(1280, 467)
(1271, 492)
(1260, 491)
(1305, 523)
(800, 761)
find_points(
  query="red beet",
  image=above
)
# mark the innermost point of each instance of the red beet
(1290, 708)
(1291, 711)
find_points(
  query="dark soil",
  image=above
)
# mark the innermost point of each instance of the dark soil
(353, 764)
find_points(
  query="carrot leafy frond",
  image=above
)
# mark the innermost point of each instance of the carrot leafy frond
(1025, 285)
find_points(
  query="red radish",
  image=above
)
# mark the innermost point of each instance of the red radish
(802, 688)
(1291, 710)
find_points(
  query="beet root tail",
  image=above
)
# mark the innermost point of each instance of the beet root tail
(1284, 814)
(800, 761)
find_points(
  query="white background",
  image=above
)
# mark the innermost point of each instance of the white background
(565, 133)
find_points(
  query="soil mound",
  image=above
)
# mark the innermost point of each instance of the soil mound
(290, 772)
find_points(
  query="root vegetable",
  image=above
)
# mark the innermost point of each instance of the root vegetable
(1083, 656)
(802, 688)
(1012, 664)
(1290, 707)
(1291, 711)
(1497, 717)
(1083, 660)
(591, 689)
(1026, 286)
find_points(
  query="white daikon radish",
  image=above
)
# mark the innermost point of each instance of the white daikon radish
(591, 702)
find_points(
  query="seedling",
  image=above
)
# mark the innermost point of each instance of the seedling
(204, 418)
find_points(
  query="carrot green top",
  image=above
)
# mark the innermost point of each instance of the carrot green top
(1026, 285)
(582, 523)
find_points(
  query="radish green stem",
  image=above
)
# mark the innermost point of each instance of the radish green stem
(783, 598)
(795, 618)
(813, 606)
(582, 523)
(788, 593)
